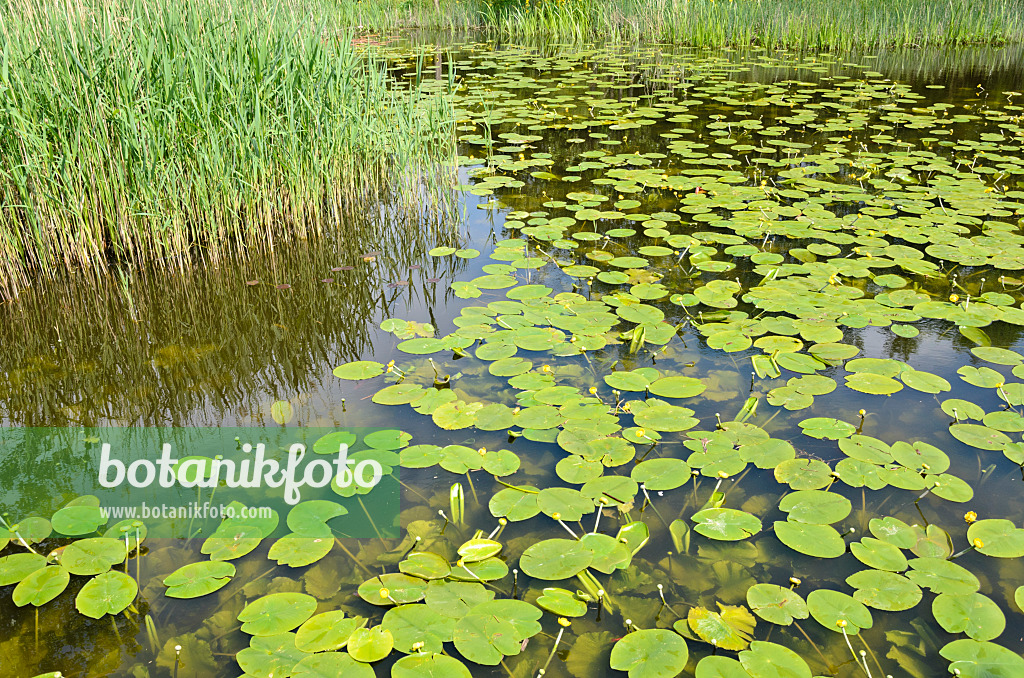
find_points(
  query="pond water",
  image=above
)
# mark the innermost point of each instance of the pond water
(781, 291)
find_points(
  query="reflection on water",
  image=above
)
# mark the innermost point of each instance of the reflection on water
(217, 346)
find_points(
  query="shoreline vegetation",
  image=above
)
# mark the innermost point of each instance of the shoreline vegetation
(140, 131)
(790, 24)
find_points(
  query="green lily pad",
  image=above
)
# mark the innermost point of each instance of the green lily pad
(999, 538)
(837, 611)
(729, 341)
(775, 604)
(637, 380)
(555, 559)
(650, 653)
(725, 524)
(924, 381)
(561, 602)
(496, 629)
(827, 428)
(198, 579)
(360, 369)
(981, 437)
(879, 554)
(661, 474)
(392, 589)
(884, 590)
(14, 568)
(974, 614)
(820, 541)
(368, 645)
(770, 660)
(429, 666)
(276, 613)
(476, 550)
(92, 556)
(999, 356)
(109, 593)
(75, 521)
(728, 629)
(803, 474)
(327, 664)
(514, 504)
(876, 384)
(327, 631)
(411, 624)
(677, 387)
(942, 576)
(815, 506)
(270, 655)
(563, 503)
(41, 586)
(979, 659)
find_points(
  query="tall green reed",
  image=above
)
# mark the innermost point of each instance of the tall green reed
(145, 130)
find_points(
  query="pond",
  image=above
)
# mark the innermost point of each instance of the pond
(715, 369)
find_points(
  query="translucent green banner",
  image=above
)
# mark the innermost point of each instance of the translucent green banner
(199, 482)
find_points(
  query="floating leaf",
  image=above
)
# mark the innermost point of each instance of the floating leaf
(972, 613)
(879, 555)
(429, 666)
(770, 660)
(815, 506)
(725, 524)
(411, 624)
(976, 659)
(561, 602)
(981, 437)
(360, 369)
(108, 593)
(369, 645)
(776, 604)
(555, 559)
(276, 613)
(729, 629)
(327, 632)
(838, 612)
(820, 541)
(41, 586)
(998, 538)
(650, 653)
(198, 579)
(884, 590)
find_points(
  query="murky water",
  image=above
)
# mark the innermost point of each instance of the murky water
(734, 205)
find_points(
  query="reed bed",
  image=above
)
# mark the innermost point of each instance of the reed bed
(795, 24)
(805, 24)
(151, 131)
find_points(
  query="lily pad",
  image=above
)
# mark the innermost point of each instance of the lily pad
(109, 593)
(776, 604)
(974, 614)
(725, 524)
(884, 590)
(820, 541)
(276, 613)
(837, 611)
(555, 559)
(650, 653)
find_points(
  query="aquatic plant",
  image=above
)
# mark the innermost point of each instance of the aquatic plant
(141, 132)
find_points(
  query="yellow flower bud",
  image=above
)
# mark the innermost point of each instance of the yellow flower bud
(970, 517)
(384, 593)
(978, 544)
(562, 621)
